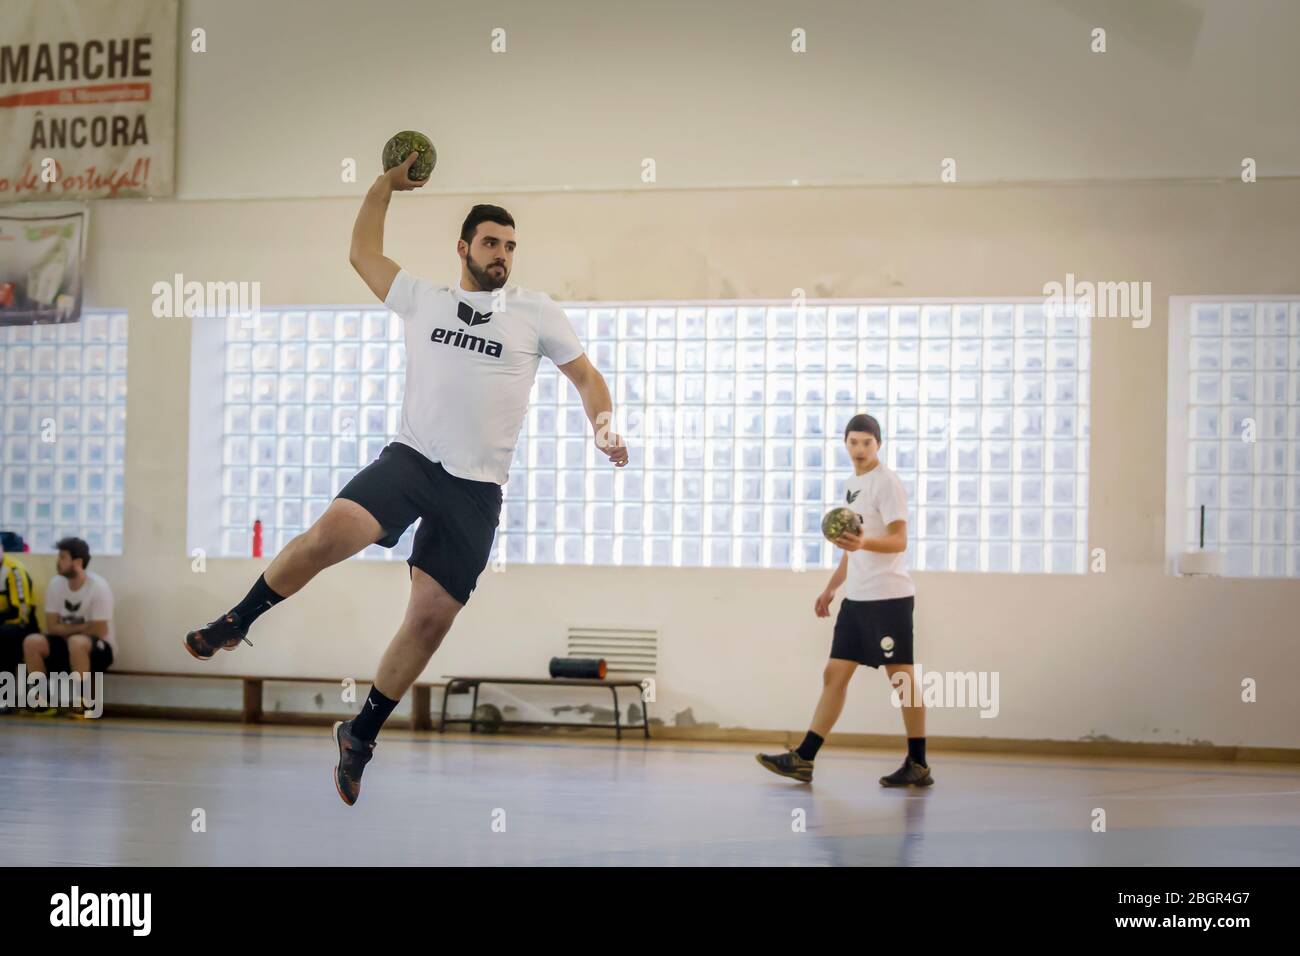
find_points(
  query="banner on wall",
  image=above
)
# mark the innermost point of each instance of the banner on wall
(87, 99)
(42, 253)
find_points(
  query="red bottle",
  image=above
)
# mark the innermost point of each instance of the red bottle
(257, 538)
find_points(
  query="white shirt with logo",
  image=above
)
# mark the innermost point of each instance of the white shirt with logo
(879, 499)
(470, 368)
(93, 601)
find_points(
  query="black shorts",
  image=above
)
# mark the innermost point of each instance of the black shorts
(874, 632)
(11, 644)
(458, 517)
(60, 662)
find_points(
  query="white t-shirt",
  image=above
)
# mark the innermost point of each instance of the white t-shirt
(470, 368)
(93, 601)
(879, 499)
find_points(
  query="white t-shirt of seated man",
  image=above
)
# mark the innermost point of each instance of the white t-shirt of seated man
(93, 601)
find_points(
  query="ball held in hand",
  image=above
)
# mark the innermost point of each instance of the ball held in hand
(402, 144)
(839, 521)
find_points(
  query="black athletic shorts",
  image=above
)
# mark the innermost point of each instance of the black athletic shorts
(11, 645)
(458, 517)
(874, 632)
(60, 661)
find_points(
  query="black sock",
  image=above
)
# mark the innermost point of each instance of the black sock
(811, 744)
(916, 750)
(373, 714)
(260, 598)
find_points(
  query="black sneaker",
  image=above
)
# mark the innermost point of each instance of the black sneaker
(354, 754)
(788, 764)
(910, 774)
(225, 633)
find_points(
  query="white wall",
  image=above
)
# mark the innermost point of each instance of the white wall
(1132, 653)
(712, 92)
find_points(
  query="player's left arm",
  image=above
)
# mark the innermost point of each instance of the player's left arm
(586, 378)
(100, 613)
(55, 626)
(92, 629)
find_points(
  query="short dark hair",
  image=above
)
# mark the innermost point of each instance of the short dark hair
(863, 423)
(76, 548)
(484, 213)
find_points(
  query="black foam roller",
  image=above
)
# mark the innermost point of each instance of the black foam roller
(588, 668)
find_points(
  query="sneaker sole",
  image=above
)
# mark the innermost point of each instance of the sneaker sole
(787, 776)
(927, 782)
(335, 775)
(199, 657)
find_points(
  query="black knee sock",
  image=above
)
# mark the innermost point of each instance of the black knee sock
(260, 598)
(916, 750)
(811, 744)
(373, 714)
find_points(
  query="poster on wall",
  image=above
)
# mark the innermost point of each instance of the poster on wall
(87, 99)
(42, 252)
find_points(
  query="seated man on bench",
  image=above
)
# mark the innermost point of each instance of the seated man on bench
(78, 634)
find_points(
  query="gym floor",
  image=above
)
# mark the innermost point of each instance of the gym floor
(126, 792)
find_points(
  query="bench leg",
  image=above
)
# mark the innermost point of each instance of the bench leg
(420, 718)
(618, 728)
(252, 701)
(446, 693)
(473, 712)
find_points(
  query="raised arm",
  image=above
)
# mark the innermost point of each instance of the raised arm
(367, 253)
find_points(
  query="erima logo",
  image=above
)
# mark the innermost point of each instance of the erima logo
(851, 496)
(469, 316)
(887, 645)
(463, 340)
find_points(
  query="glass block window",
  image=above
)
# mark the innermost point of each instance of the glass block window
(306, 398)
(735, 413)
(1239, 430)
(63, 431)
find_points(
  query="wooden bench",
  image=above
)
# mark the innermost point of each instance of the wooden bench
(464, 685)
(252, 712)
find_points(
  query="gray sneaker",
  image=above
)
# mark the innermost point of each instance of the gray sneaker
(788, 764)
(910, 774)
